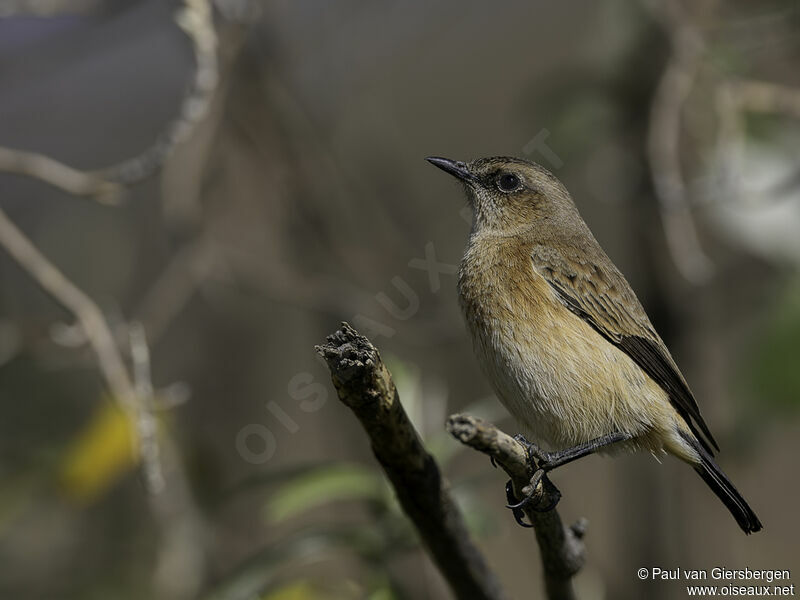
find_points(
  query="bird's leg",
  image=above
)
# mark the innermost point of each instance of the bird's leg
(547, 461)
(543, 461)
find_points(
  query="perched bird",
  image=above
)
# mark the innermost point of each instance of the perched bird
(561, 335)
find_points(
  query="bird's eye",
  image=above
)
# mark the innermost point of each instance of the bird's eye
(508, 182)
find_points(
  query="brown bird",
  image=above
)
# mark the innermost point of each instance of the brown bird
(561, 335)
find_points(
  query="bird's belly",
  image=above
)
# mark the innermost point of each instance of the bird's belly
(560, 379)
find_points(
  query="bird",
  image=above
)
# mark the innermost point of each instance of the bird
(561, 335)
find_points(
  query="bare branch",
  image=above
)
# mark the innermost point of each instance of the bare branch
(733, 100)
(196, 18)
(86, 312)
(146, 424)
(181, 557)
(561, 547)
(47, 8)
(765, 97)
(98, 333)
(365, 386)
(72, 181)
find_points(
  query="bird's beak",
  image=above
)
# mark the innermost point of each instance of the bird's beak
(456, 168)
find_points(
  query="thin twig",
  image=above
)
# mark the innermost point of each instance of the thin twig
(561, 548)
(180, 562)
(47, 8)
(57, 174)
(765, 97)
(131, 396)
(733, 100)
(86, 312)
(181, 557)
(365, 385)
(146, 424)
(196, 18)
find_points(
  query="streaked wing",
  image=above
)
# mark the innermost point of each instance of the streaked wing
(600, 295)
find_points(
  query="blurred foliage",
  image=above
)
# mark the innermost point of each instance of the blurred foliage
(334, 483)
(774, 371)
(300, 590)
(99, 455)
(304, 590)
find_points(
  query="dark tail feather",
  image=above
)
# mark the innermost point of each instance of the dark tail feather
(725, 490)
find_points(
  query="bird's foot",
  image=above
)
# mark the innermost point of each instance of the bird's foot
(539, 458)
(541, 489)
(534, 496)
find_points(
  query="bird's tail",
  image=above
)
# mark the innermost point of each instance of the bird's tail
(724, 489)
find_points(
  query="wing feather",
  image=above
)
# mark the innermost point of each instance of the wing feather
(600, 295)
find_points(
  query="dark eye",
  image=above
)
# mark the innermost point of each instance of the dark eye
(508, 182)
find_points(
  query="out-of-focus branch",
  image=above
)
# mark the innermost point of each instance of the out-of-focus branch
(72, 181)
(663, 143)
(196, 18)
(94, 325)
(146, 424)
(107, 185)
(562, 548)
(765, 97)
(733, 100)
(179, 565)
(47, 8)
(365, 385)
(87, 313)
(179, 568)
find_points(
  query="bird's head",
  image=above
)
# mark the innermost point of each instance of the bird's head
(510, 196)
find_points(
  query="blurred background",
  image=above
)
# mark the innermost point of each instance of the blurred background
(194, 193)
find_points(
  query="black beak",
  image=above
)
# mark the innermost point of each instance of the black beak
(456, 168)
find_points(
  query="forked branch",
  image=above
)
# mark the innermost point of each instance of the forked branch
(561, 547)
(364, 384)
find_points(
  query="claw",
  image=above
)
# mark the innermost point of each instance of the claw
(510, 492)
(520, 504)
(518, 516)
(517, 512)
